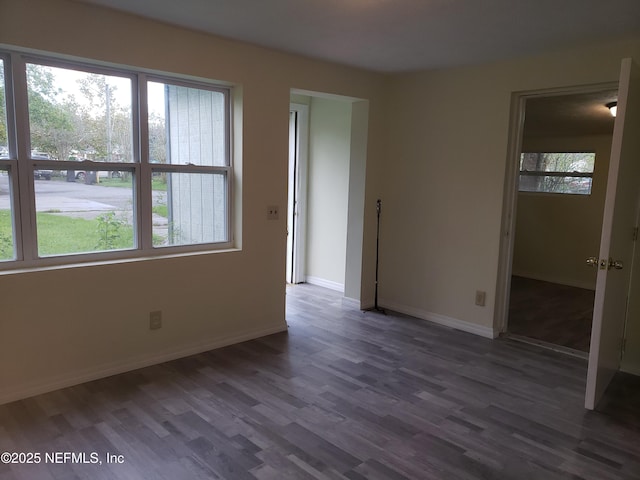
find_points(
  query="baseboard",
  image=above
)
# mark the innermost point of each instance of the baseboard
(486, 332)
(547, 345)
(115, 368)
(351, 303)
(560, 281)
(367, 303)
(631, 369)
(321, 282)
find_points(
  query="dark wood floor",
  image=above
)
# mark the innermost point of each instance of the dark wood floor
(552, 313)
(343, 395)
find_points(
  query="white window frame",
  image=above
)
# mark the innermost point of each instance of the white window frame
(226, 170)
(12, 163)
(21, 166)
(560, 174)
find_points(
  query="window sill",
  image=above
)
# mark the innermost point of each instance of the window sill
(555, 194)
(50, 264)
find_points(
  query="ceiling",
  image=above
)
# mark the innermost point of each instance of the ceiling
(569, 115)
(410, 35)
(400, 35)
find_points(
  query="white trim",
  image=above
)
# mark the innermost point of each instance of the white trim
(367, 304)
(547, 345)
(114, 368)
(22, 164)
(351, 303)
(300, 247)
(321, 282)
(291, 187)
(631, 369)
(480, 330)
(560, 281)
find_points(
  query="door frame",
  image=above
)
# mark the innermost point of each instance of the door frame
(510, 189)
(297, 194)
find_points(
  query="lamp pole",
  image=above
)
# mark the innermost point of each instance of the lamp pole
(378, 211)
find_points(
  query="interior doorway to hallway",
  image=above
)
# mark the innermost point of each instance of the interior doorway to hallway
(328, 138)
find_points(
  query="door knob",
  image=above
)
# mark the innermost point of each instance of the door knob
(617, 264)
(592, 261)
(604, 264)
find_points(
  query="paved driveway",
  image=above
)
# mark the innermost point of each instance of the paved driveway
(79, 200)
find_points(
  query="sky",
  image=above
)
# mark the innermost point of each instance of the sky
(67, 81)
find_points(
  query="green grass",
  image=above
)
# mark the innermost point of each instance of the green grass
(58, 234)
(158, 185)
(6, 235)
(161, 210)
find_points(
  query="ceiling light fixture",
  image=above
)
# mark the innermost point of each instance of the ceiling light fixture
(613, 108)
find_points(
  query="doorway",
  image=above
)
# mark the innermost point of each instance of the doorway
(615, 260)
(561, 161)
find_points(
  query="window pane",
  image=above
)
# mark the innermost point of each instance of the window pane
(570, 172)
(7, 241)
(186, 125)
(90, 214)
(4, 145)
(555, 184)
(189, 208)
(76, 115)
(7, 250)
(558, 162)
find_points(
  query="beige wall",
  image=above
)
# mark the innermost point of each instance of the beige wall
(328, 191)
(445, 173)
(556, 233)
(63, 326)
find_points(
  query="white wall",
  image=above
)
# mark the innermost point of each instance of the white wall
(357, 194)
(328, 191)
(556, 233)
(71, 334)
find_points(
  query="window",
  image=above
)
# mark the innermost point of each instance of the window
(81, 116)
(189, 154)
(114, 163)
(570, 173)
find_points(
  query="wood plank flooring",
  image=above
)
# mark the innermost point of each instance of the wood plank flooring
(552, 313)
(342, 395)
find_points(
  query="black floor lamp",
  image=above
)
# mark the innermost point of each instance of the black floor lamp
(378, 211)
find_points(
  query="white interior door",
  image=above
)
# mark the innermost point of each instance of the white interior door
(617, 240)
(296, 202)
(291, 199)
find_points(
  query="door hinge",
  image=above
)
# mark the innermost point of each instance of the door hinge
(635, 234)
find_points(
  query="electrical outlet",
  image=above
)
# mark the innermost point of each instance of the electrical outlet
(480, 298)
(155, 320)
(273, 212)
